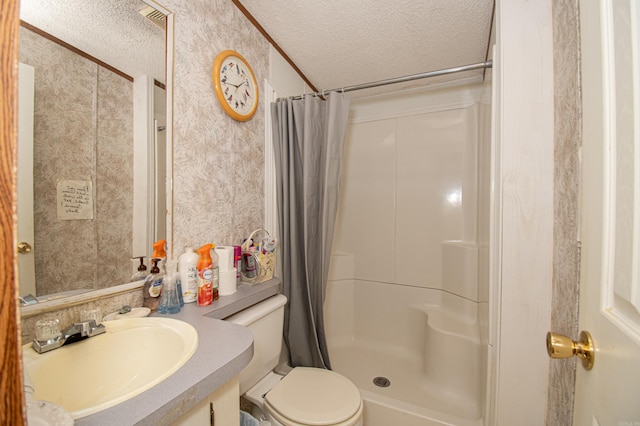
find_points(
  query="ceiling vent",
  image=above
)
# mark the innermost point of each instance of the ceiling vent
(154, 16)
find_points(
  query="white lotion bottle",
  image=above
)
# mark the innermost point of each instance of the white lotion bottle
(188, 265)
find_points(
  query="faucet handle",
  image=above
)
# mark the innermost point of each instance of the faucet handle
(91, 320)
(90, 328)
(91, 314)
(98, 329)
(48, 336)
(47, 330)
(74, 333)
(85, 327)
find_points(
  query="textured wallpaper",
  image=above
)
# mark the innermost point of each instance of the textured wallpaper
(566, 252)
(83, 130)
(218, 162)
(114, 179)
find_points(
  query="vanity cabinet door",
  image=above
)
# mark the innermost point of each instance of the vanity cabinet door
(221, 408)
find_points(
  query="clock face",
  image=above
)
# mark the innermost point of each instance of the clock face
(235, 85)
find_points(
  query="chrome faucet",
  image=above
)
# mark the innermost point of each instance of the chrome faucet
(29, 299)
(78, 331)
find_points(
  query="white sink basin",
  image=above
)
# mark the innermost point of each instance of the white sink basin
(99, 372)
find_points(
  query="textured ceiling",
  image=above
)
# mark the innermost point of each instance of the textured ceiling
(335, 43)
(338, 43)
(110, 30)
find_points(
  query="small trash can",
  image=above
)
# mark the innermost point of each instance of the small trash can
(247, 419)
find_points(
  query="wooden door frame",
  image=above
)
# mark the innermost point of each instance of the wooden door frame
(521, 247)
(11, 388)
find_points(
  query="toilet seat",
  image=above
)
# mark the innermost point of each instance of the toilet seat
(313, 396)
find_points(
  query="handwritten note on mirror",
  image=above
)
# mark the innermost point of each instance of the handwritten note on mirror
(75, 200)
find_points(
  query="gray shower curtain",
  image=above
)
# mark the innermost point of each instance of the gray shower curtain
(308, 137)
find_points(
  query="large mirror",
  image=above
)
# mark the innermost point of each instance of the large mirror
(93, 175)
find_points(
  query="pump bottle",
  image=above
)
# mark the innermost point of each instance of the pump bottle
(169, 301)
(159, 253)
(152, 287)
(142, 270)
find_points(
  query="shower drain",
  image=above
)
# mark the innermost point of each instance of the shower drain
(383, 382)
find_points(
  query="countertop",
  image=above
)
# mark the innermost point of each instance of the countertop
(224, 349)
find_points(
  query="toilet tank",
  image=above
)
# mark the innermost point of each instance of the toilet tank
(266, 322)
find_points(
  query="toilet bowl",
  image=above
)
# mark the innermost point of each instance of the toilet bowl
(305, 396)
(302, 397)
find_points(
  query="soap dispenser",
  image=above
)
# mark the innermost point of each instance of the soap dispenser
(142, 269)
(159, 253)
(152, 287)
(169, 301)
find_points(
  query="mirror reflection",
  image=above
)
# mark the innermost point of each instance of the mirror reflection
(91, 167)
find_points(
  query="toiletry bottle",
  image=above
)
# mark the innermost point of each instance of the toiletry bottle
(169, 302)
(142, 270)
(216, 272)
(237, 262)
(249, 263)
(205, 276)
(179, 289)
(159, 253)
(152, 287)
(188, 263)
(158, 250)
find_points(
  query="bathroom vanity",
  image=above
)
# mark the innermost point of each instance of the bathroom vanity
(210, 375)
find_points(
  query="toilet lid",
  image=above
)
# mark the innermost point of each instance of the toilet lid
(314, 396)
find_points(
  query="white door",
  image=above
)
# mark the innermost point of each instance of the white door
(609, 394)
(26, 262)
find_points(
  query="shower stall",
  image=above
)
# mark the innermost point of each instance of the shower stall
(406, 308)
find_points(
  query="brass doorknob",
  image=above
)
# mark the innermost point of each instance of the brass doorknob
(560, 346)
(24, 248)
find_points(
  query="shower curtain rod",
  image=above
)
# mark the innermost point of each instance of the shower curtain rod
(480, 65)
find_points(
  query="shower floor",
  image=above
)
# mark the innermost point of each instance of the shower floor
(363, 362)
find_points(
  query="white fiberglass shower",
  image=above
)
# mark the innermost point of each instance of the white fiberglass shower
(406, 310)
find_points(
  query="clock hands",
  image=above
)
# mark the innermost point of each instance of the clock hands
(235, 98)
(237, 86)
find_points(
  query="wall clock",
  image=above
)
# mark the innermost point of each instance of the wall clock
(235, 85)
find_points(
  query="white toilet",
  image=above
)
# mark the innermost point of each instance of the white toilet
(305, 396)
